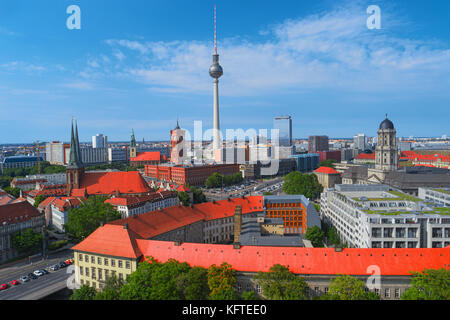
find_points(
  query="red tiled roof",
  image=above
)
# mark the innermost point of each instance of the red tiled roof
(326, 170)
(183, 188)
(151, 224)
(25, 182)
(20, 199)
(147, 156)
(47, 201)
(136, 200)
(17, 212)
(366, 156)
(110, 182)
(352, 261)
(5, 199)
(111, 240)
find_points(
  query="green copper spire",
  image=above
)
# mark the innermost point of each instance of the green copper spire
(133, 140)
(74, 158)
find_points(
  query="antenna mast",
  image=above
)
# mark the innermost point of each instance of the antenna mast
(215, 31)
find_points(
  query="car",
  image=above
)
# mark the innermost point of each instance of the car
(14, 282)
(4, 286)
(54, 267)
(24, 279)
(44, 271)
(32, 276)
(71, 261)
(38, 273)
(62, 264)
(68, 262)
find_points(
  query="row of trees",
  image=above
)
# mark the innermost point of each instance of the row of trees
(198, 196)
(27, 241)
(178, 281)
(302, 183)
(9, 174)
(217, 180)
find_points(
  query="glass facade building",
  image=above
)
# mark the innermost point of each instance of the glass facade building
(284, 125)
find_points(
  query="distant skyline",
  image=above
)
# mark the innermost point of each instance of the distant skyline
(140, 65)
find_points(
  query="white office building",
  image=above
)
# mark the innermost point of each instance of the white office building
(437, 195)
(99, 141)
(373, 216)
(360, 141)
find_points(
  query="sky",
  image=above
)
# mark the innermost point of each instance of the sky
(142, 64)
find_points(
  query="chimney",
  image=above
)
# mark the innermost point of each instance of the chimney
(237, 223)
(125, 226)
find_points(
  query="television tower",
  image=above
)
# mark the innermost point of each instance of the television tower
(216, 71)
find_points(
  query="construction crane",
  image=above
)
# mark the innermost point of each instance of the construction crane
(38, 151)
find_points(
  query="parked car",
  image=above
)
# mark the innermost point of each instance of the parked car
(69, 261)
(62, 264)
(32, 276)
(24, 279)
(4, 286)
(38, 273)
(54, 267)
(44, 271)
(14, 282)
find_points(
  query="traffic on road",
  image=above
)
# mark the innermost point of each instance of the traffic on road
(33, 276)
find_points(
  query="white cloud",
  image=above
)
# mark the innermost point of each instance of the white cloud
(329, 50)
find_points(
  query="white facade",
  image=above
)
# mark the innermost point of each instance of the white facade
(117, 155)
(360, 141)
(439, 196)
(99, 141)
(94, 155)
(127, 211)
(365, 217)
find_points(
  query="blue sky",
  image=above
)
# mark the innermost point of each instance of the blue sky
(141, 64)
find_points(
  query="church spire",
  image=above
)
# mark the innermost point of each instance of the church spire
(74, 158)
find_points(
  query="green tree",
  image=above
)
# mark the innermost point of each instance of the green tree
(5, 181)
(193, 285)
(267, 193)
(199, 197)
(249, 295)
(280, 284)
(39, 199)
(301, 183)
(315, 235)
(221, 281)
(82, 221)
(111, 290)
(345, 287)
(214, 181)
(430, 284)
(333, 236)
(85, 292)
(327, 163)
(26, 242)
(139, 285)
(15, 192)
(184, 197)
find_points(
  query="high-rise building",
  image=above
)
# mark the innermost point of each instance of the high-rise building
(284, 126)
(360, 141)
(317, 143)
(99, 141)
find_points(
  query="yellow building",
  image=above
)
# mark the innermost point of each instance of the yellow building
(94, 263)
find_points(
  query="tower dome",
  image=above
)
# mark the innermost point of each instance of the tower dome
(386, 124)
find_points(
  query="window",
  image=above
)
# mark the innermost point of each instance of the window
(120, 276)
(92, 259)
(81, 271)
(397, 292)
(80, 256)
(86, 258)
(99, 260)
(113, 263)
(258, 288)
(87, 271)
(326, 290)
(100, 274)
(316, 290)
(387, 293)
(377, 291)
(93, 272)
(120, 263)
(106, 273)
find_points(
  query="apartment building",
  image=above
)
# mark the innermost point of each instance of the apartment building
(374, 216)
(437, 195)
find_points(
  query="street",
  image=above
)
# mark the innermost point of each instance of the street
(45, 282)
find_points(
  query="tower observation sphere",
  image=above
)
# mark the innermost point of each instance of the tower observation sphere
(215, 71)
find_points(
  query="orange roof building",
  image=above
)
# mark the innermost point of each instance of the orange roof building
(328, 177)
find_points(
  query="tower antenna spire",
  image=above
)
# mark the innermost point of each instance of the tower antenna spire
(215, 30)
